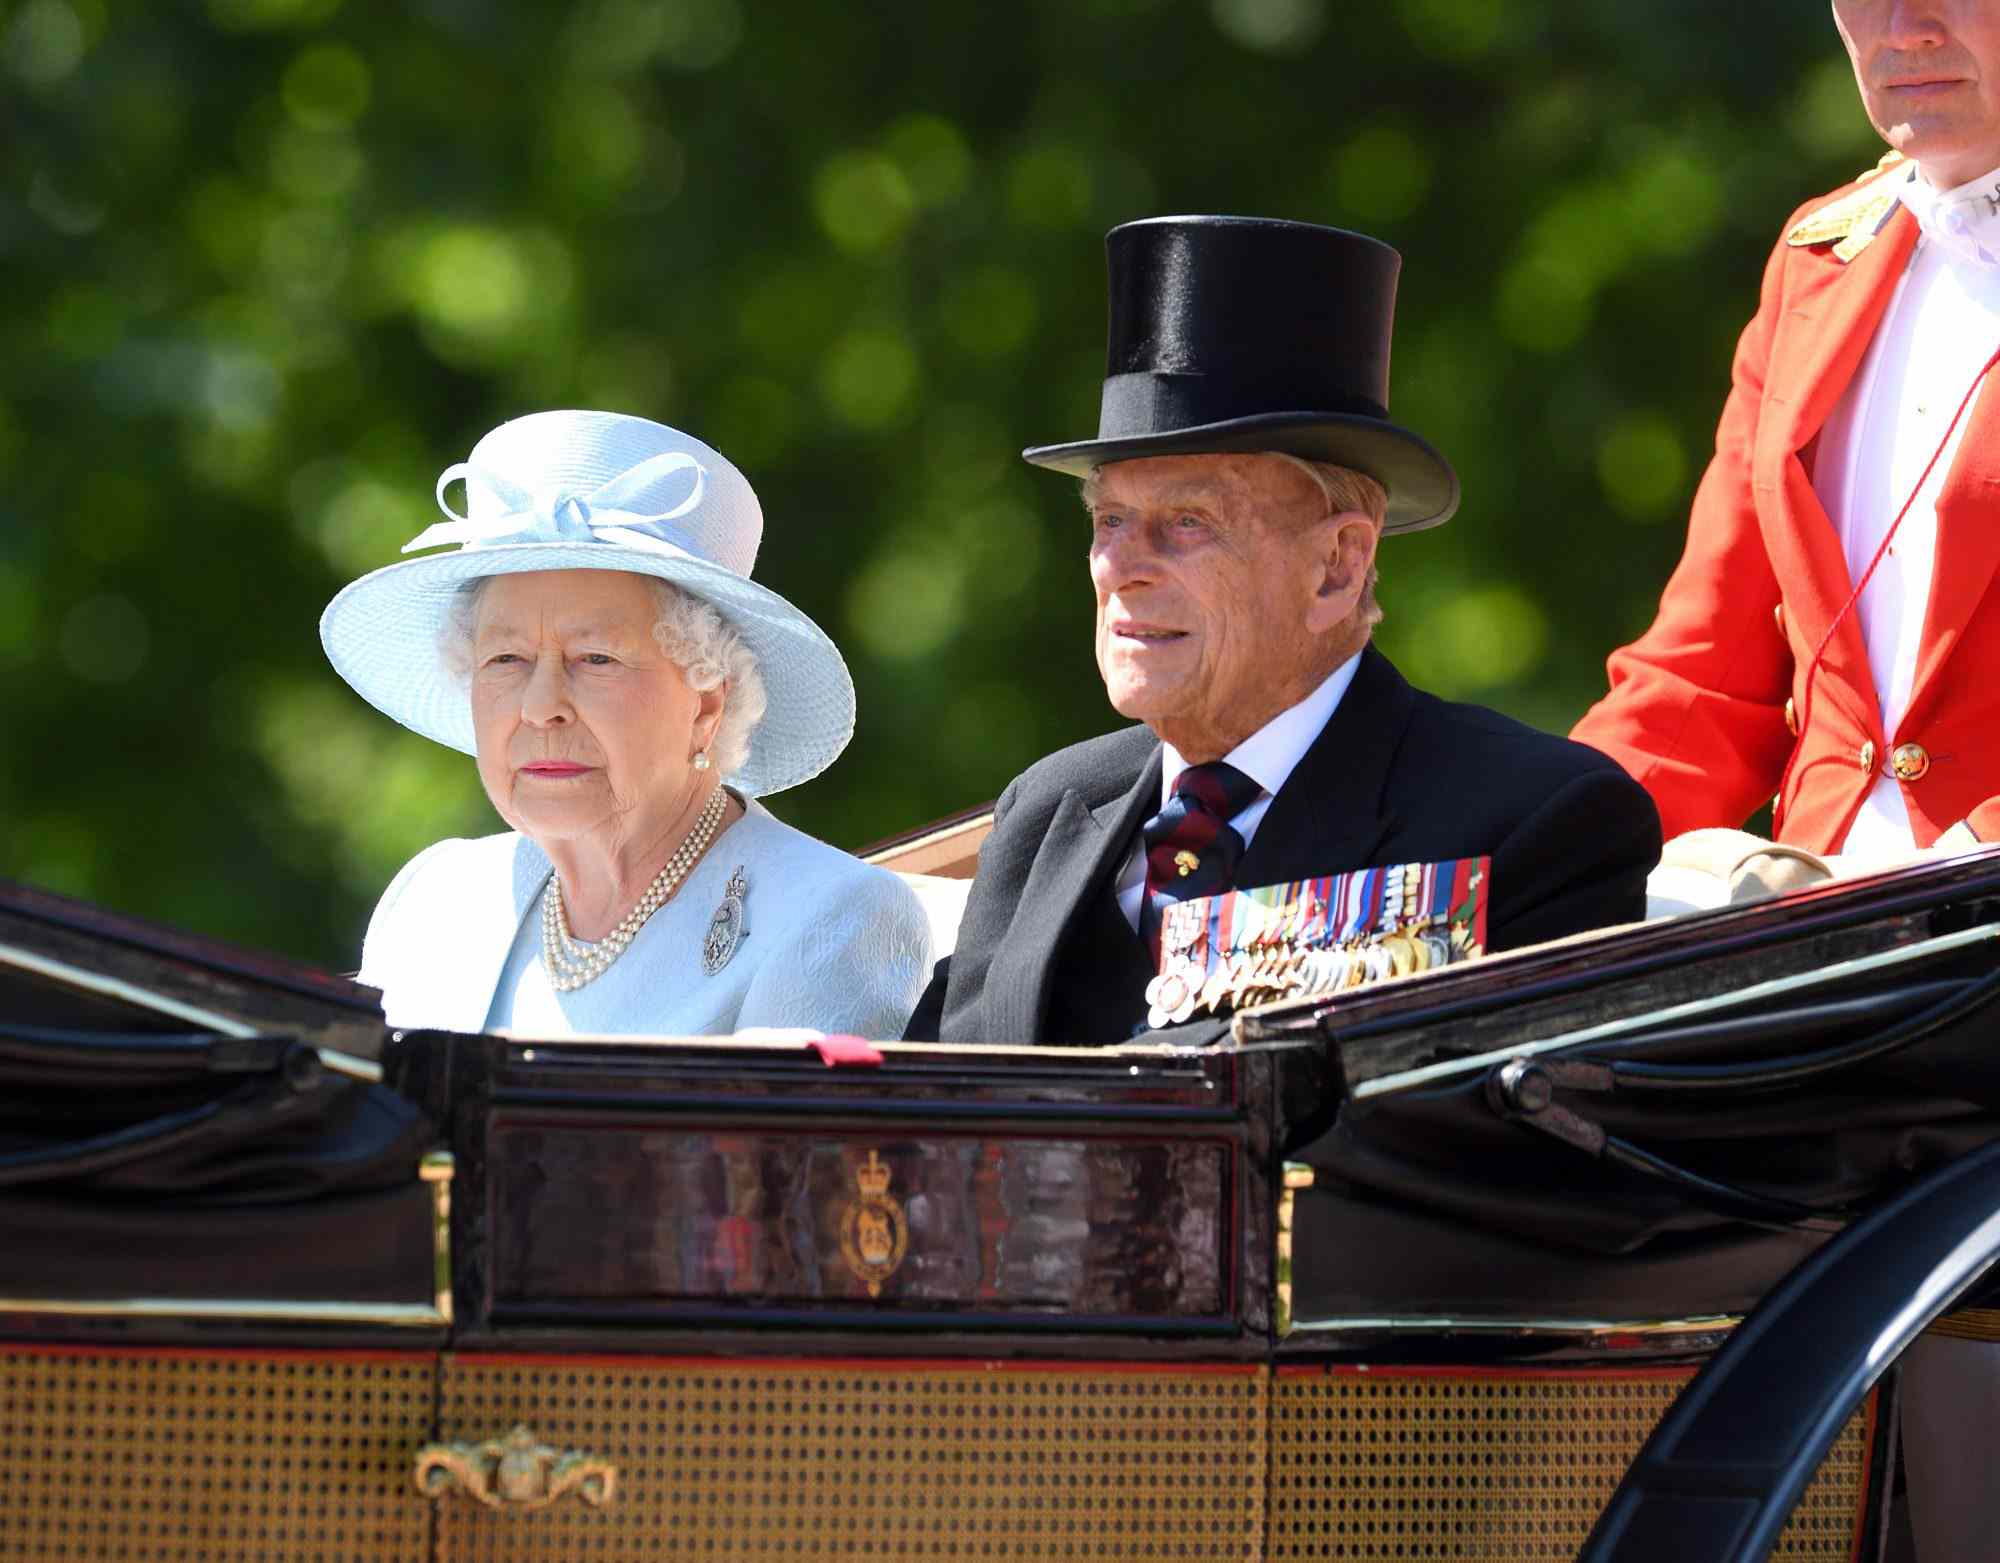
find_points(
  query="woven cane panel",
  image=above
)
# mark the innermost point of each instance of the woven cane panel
(938, 1461)
(184, 1457)
(1491, 1468)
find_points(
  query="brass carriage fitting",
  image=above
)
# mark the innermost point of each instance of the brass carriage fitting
(515, 1472)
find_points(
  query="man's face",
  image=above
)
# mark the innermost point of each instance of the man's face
(1218, 580)
(1929, 72)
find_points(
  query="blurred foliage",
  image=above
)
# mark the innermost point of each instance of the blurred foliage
(271, 264)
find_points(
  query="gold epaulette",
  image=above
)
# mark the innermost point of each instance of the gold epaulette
(1854, 218)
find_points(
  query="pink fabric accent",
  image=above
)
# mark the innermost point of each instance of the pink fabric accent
(840, 1052)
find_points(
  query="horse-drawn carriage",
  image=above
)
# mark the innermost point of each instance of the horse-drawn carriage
(1408, 1272)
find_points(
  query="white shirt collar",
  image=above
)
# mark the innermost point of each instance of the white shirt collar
(1270, 755)
(1963, 222)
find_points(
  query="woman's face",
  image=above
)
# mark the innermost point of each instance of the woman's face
(584, 727)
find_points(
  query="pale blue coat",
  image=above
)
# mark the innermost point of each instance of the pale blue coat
(832, 944)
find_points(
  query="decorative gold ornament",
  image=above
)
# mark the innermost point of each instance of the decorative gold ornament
(874, 1232)
(1185, 862)
(1854, 218)
(514, 1472)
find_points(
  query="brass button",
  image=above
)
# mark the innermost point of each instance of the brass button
(1909, 762)
(1867, 756)
(1791, 717)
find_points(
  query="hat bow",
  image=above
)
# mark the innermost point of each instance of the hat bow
(558, 516)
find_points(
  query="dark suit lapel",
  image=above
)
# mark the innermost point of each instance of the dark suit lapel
(1333, 813)
(1078, 856)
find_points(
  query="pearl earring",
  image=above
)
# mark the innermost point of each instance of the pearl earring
(701, 759)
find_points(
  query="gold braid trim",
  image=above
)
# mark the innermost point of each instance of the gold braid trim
(1851, 221)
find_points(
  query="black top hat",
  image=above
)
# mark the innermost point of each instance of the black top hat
(1252, 334)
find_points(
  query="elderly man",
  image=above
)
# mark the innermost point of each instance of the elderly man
(1830, 633)
(1244, 470)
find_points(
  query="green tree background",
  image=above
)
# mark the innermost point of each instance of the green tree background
(270, 265)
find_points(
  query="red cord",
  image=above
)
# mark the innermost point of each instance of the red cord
(1819, 651)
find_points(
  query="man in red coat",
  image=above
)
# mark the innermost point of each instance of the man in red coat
(1860, 447)
(1880, 308)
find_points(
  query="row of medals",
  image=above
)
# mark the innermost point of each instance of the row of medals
(1277, 968)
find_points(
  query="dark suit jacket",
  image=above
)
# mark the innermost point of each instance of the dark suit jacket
(1397, 776)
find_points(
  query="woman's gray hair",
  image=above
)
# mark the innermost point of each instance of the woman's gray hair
(696, 638)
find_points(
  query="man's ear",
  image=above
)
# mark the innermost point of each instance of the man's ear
(1345, 554)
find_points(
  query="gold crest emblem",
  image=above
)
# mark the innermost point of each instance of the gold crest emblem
(874, 1233)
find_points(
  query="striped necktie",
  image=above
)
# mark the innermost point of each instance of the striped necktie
(1191, 848)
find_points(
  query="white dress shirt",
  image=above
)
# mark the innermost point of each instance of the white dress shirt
(1268, 757)
(1941, 325)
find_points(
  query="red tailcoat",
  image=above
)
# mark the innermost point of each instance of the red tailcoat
(1701, 705)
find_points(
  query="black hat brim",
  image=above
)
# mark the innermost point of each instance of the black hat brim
(1423, 490)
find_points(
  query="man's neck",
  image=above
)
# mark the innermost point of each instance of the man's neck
(1949, 172)
(1200, 737)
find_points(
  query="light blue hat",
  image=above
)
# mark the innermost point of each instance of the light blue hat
(594, 491)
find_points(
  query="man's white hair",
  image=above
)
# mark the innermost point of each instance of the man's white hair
(696, 638)
(1345, 489)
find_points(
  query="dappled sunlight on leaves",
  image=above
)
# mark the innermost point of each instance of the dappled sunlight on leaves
(991, 717)
(1270, 26)
(1459, 30)
(327, 87)
(869, 378)
(990, 312)
(44, 42)
(259, 15)
(359, 519)
(932, 155)
(315, 165)
(1049, 186)
(1381, 174)
(1644, 467)
(908, 600)
(20, 617)
(380, 793)
(864, 200)
(1000, 544)
(273, 264)
(116, 518)
(105, 639)
(753, 418)
(1673, 198)
(482, 294)
(1472, 640)
(1826, 117)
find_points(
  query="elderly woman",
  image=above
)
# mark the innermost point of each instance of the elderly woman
(596, 642)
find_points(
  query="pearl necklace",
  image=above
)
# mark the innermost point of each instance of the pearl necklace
(571, 965)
